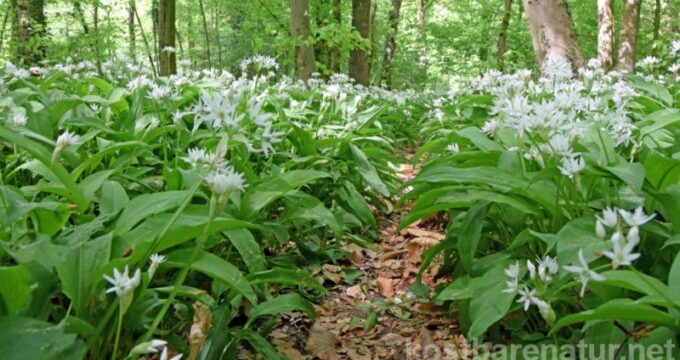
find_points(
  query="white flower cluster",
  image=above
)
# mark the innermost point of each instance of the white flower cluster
(622, 253)
(540, 275)
(122, 283)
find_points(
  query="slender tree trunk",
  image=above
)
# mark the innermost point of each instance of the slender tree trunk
(391, 43)
(359, 69)
(146, 41)
(167, 57)
(81, 17)
(605, 35)
(422, 38)
(5, 19)
(335, 50)
(154, 20)
(97, 40)
(552, 31)
(657, 27)
(218, 38)
(132, 37)
(374, 11)
(503, 34)
(301, 30)
(630, 24)
(671, 17)
(205, 33)
(30, 28)
(322, 47)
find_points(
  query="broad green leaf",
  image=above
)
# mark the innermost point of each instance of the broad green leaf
(620, 309)
(470, 233)
(31, 339)
(249, 249)
(15, 289)
(264, 193)
(291, 277)
(261, 345)
(79, 270)
(113, 197)
(281, 304)
(217, 268)
(368, 171)
(489, 303)
(146, 205)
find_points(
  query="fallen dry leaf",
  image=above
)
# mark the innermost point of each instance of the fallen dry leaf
(322, 343)
(199, 329)
(356, 292)
(385, 287)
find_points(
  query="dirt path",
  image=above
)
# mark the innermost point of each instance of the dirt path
(370, 312)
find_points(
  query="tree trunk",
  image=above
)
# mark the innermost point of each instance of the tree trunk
(359, 55)
(144, 38)
(391, 43)
(552, 31)
(301, 31)
(422, 47)
(132, 37)
(167, 59)
(97, 47)
(605, 35)
(205, 33)
(335, 50)
(374, 11)
(630, 23)
(502, 35)
(322, 47)
(30, 28)
(657, 27)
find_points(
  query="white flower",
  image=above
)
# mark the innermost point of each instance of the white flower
(196, 157)
(123, 284)
(547, 267)
(527, 296)
(158, 93)
(636, 218)
(225, 180)
(584, 273)
(513, 272)
(623, 254)
(674, 68)
(490, 127)
(169, 49)
(571, 166)
(600, 231)
(532, 269)
(648, 61)
(155, 345)
(19, 118)
(609, 218)
(453, 148)
(164, 355)
(66, 139)
(157, 259)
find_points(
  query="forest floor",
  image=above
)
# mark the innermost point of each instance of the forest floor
(375, 315)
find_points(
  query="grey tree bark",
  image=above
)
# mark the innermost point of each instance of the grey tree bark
(552, 31)
(301, 30)
(30, 28)
(605, 34)
(630, 23)
(502, 36)
(167, 34)
(359, 55)
(391, 43)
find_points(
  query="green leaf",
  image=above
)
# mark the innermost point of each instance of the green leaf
(79, 270)
(146, 205)
(31, 339)
(368, 171)
(632, 174)
(45, 157)
(217, 268)
(282, 304)
(620, 309)
(292, 277)
(248, 248)
(674, 278)
(489, 303)
(113, 197)
(470, 233)
(15, 289)
(264, 193)
(261, 345)
(636, 281)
